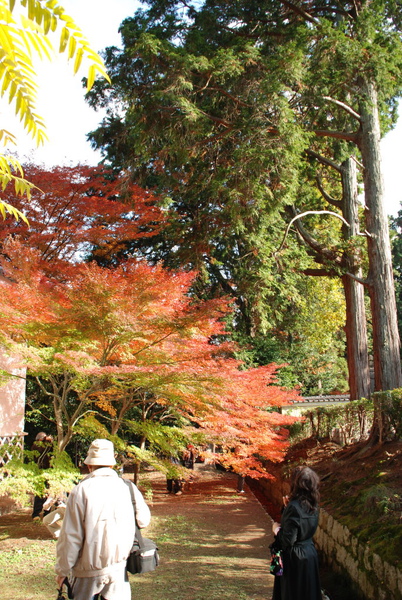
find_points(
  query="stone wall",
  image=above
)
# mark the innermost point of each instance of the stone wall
(372, 578)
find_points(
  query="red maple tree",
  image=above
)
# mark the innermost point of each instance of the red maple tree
(108, 338)
(74, 208)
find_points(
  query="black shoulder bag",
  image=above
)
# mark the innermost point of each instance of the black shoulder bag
(144, 555)
(61, 595)
(276, 566)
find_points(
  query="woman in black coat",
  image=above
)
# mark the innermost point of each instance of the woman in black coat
(300, 579)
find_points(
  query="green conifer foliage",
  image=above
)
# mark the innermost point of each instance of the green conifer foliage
(215, 105)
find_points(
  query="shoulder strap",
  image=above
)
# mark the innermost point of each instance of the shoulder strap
(138, 534)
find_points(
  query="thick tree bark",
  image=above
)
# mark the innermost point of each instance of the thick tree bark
(387, 364)
(355, 327)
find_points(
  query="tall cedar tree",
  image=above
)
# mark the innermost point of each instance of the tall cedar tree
(339, 258)
(110, 335)
(222, 221)
(221, 101)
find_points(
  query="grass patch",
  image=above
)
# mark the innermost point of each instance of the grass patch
(27, 573)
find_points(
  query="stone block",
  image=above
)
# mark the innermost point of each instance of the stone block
(367, 559)
(341, 554)
(399, 577)
(331, 545)
(319, 537)
(353, 545)
(360, 553)
(378, 567)
(390, 577)
(352, 567)
(366, 587)
(323, 521)
(347, 537)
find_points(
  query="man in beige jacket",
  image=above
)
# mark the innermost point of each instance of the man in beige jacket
(98, 529)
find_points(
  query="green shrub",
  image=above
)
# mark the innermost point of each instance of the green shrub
(381, 500)
(22, 480)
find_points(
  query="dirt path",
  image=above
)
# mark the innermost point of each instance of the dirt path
(213, 542)
(224, 541)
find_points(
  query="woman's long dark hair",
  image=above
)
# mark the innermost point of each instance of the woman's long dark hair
(305, 489)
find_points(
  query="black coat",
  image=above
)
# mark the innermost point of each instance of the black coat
(300, 579)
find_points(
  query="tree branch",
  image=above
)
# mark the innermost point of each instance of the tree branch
(365, 282)
(86, 412)
(308, 212)
(214, 138)
(324, 254)
(42, 387)
(216, 119)
(346, 107)
(227, 94)
(359, 164)
(300, 11)
(318, 273)
(154, 343)
(339, 135)
(326, 196)
(324, 160)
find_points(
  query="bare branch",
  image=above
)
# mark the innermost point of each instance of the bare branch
(359, 164)
(216, 119)
(214, 138)
(364, 282)
(204, 87)
(308, 212)
(75, 421)
(346, 107)
(298, 10)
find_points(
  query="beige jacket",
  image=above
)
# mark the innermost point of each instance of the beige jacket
(98, 526)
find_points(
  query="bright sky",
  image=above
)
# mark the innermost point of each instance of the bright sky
(60, 99)
(391, 147)
(68, 117)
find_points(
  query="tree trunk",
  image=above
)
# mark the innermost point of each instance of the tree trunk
(58, 416)
(137, 464)
(355, 327)
(387, 364)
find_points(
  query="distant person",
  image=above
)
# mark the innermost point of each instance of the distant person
(189, 457)
(174, 484)
(42, 449)
(240, 483)
(294, 535)
(98, 530)
(54, 509)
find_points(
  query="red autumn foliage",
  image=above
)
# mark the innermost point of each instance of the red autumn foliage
(96, 334)
(74, 207)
